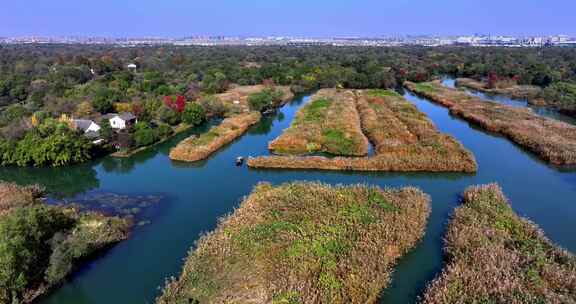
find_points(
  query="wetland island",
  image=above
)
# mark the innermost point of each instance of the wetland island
(376, 174)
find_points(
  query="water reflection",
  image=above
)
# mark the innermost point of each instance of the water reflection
(59, 183)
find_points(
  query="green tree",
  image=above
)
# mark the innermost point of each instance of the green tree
(104, 99)
(168, 115)
(194, 114)
(143, 134)
(23, 252)
(214, 83)
(263, 100)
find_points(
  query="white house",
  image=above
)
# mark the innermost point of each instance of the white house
(122, 121)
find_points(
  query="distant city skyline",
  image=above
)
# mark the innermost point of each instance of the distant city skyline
(320, 18)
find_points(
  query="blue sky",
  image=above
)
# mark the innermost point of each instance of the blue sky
(177, 18)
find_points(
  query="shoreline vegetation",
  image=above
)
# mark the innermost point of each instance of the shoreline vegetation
(41, 244)
(240, 102)
(404, 139)
(560, 96)
(495, 256)
(198, 147)
(529, 92)
(303, 243)
(183, 127)
(552, 141)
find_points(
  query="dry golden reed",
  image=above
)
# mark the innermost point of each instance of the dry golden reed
(403, 137)
(551, 140)
(196, 148)
(329, 123)
(303, 243)
(495, 256)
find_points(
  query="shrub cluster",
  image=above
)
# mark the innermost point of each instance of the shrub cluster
(40, 244)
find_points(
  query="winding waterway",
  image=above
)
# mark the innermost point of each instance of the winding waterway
(197, 194)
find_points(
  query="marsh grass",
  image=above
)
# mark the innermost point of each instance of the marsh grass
(196, 148)
(515, 91)
(329, 123)
(495, 256)
(303, 243)
(551, 140)
(404, 139)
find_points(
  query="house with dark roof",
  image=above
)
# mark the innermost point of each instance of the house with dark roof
(85, 125)
(121, 121)
(90, 128)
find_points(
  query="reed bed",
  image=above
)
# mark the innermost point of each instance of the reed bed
(515, 91)
(303, 243)
(551, 140)
(196, 148)
(403, 137)
(495, 256)
(330, 123)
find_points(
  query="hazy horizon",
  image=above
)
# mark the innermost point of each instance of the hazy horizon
(362, 18)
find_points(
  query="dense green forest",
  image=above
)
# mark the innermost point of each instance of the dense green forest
(40, 83)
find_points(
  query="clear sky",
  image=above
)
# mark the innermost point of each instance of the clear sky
(178, 18)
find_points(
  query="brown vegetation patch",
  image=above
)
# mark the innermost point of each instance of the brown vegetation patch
(404, 140)
(495, 256)
(303, 243)
(329, 123)
(16, 196)
(236, 97)
(553, 141)
(512, 90)
(196, 148)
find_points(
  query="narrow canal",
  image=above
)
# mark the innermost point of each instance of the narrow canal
(196, 195)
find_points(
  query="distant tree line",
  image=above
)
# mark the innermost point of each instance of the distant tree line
(87, 81)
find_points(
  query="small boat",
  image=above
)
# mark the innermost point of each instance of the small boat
(239, 160)
(269, 111)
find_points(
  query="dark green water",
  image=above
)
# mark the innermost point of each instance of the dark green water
(196, 195)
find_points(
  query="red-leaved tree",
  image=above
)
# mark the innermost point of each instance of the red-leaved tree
(176, 103)
(492, 80)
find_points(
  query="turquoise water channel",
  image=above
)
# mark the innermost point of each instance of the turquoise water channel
(196, 195)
